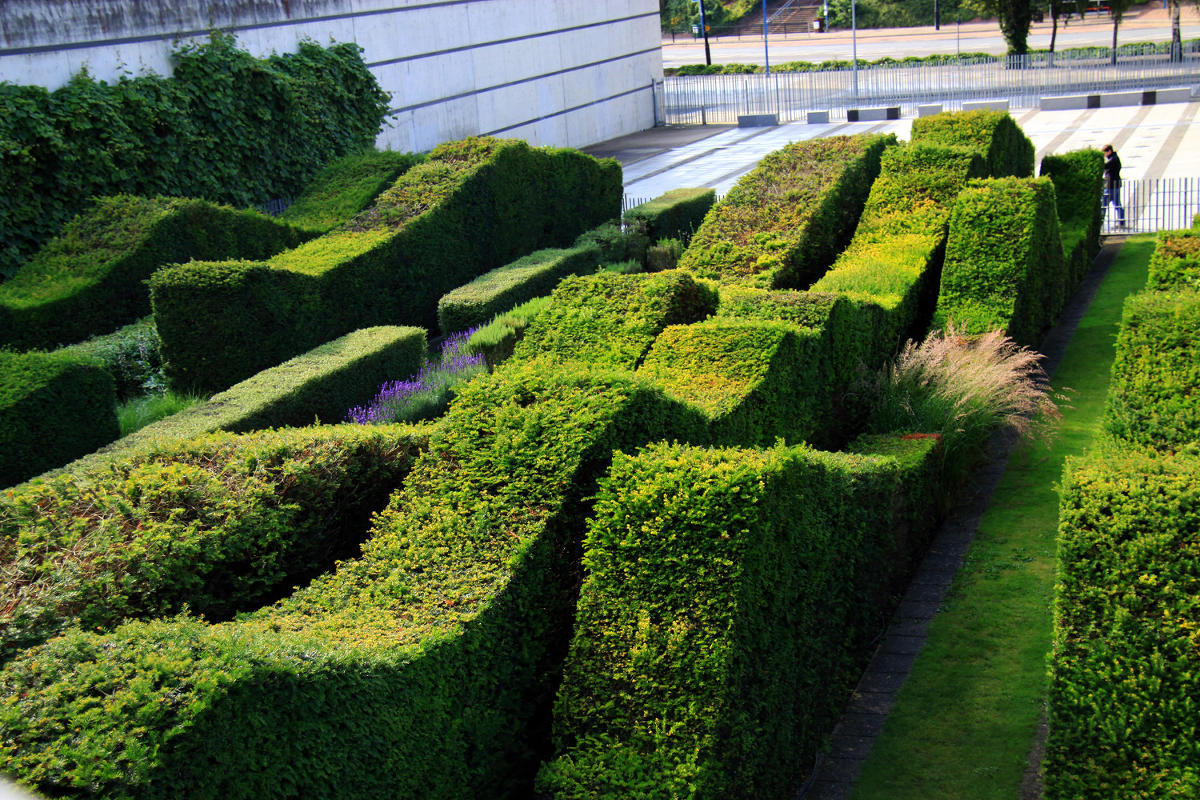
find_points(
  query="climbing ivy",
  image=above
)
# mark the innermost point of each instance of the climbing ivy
(226, 126)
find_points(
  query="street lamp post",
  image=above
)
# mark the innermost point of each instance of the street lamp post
(766, 52)
(854, 44)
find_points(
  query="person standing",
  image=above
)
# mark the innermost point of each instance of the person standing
(1112, 183)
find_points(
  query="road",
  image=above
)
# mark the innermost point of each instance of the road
(1144, 24)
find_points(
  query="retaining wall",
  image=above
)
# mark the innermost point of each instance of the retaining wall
(558, 72)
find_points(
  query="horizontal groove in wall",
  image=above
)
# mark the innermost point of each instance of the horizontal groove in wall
(571, 110)
(402, 109)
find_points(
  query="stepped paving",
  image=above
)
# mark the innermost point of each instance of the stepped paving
(1153, 141)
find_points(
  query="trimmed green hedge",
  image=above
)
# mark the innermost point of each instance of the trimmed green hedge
(896, 253)
(726, 594)
(1078, 179)
(1152, 400)
(673, 215)
(219, 524)
(53, 407)
(1004, 265)
(88, 280)
(226, 127)
(421, 669)
(130, 354)
(1175, 264)
(473, 204)
(755, 381)
(1125, 673)
(346, 187)
(782, 224)
(534, 275)
(609, 320)
(1005, 148)
(319, 386)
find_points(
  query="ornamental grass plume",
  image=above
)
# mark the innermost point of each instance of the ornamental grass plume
(964, 388)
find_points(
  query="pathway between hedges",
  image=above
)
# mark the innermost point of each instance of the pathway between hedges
(836, 772)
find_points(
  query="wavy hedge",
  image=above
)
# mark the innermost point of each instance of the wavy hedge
(1078, 179)
(609, 320)
(783, 224)
(673, 215)
(471, 205)
(346, 187)
(419, 669)
(726, 592)
(1004, 147)
(897, 249)
(476, 303)
(317, 386)
(90, 278)
(53, 407)
(1156, 372)
(1004, 267)
(1125, 672)
(226, 127)
(219, 524)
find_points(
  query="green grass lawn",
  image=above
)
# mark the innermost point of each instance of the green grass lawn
(965, 720)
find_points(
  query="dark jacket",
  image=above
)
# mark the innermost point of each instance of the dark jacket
(1112, 170)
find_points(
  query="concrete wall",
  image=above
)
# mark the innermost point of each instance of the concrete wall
(562, 72)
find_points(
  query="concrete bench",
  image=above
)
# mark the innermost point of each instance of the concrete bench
(1149, 97)
(872, 114)
(929, 109)
(757, 120)
(985, 105)
(816, 117)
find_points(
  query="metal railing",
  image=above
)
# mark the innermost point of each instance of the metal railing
(1022, 80)
(1153, 204)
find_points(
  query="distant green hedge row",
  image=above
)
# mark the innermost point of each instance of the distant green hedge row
(219, 524)
(226, 127)
(1175, 264)
(1004, 267)
(471, 205)
(1152, 400)
(1078, 179)
(476, 303)
(673, 215)
(346, 187)
(318, 386)
(896, 250)
(782, 224)
(420, 669)
(993, 134)
(1125, 673)
(53, 407)
(727, 594)
(90, 278)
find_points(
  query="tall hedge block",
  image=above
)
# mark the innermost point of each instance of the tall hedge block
(609, 320)
(1004, 267)
(784, 223)
(474, 204)
(725, 592)
(219, 524)
(896, 253)
(1125, 672)
(1078, 179)
(53, 408)
(1156, 372)
(673, 215)
(90, 278)
(1004, 147)
(421, 669)
(476, 303)
(1175, 264)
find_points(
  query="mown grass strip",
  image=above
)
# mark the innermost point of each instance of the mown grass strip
(965, 718)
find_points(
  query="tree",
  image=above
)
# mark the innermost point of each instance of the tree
(1117, 9)
(1057, 9)
(1176, 39)
(1014, 16)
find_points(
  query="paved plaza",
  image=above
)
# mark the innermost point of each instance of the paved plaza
(1153, 141)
